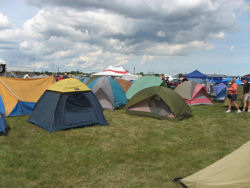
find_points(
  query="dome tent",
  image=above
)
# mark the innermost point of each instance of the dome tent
(158, 102)
(142, 83)
(124, 83)
(67, 104)
(109, 93)
(193, 93)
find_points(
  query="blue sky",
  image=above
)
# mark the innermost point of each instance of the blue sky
(152, 36)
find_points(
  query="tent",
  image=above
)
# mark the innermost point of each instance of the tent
(3, 125)
(142, 83)
(18, 96)
(228, 79)
(129, 77)
(158, 102)
(193, 93)
(109, 93)
(220, 92)
(112, 71)
(239, 100)
(71, 104)
(85, 79)
(125, 84)
(196, 74)
(229, 172)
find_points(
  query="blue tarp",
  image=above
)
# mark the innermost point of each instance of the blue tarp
(220, 92)
(228, 79)
(196, 74)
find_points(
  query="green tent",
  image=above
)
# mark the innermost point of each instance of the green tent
(142, 83)
(239, 100)
(229, 172)
(159, 102)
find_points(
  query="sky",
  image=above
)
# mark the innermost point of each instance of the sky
(156, 36)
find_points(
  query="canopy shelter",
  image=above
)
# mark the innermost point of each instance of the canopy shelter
(196, 74)
(142, 83)
(67, 104)
(112, 71)
(193, 93)
(18, 96)
(229, 172)
(158, 102)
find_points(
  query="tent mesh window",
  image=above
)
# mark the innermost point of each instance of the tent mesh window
(76, 103)
(158, 107)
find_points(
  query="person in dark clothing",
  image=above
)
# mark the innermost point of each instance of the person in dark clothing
(184, 79)
(246, 87)
(167, 83)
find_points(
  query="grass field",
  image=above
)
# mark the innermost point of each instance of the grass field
(133, 151)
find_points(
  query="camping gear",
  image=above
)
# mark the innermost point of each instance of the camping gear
(18, 96)
(142, 83)
(67, 104)
(158, 102)
(229, 172)
(220, 92)
(239, 100)
(3, 125)
(193, 93)
(109, 93)
(124, 83)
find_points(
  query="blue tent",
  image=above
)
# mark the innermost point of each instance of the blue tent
(3, 125)
(228, 79)
(220, 92)
(196, 74)
(109, 93)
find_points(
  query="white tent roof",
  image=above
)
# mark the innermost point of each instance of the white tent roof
(2, 62)
(130, 77)
(112, 71)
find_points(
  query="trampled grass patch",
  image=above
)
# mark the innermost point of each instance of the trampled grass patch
(134, 151)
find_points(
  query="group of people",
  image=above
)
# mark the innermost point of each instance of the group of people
(167, 83)
(233, 94)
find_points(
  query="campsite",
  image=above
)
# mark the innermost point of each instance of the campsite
(105, 135)
(133, 94)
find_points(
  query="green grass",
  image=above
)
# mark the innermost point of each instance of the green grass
(133, 151)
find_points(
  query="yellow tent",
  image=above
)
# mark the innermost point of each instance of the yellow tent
(232, 171)
(18, 95)
(69, 85)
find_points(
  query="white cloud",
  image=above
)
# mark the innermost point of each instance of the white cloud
(232, 48)
(93, 34)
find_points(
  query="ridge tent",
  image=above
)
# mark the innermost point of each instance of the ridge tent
(229, 172)
(220, 92)
(142, 83)
(3, 125)
(158, 102)
(193, 93)
(109, 93)
(71, 104)
(239, 100)
(124, 83)
(18, 96)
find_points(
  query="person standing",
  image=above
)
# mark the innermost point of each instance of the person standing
(245, 93)
(184, 79)
(232, 96)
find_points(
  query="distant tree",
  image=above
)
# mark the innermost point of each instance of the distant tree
(141, 73)
(180, 75)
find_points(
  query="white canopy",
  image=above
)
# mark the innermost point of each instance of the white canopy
(2, 62)
(129, 77)
(112, 71)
